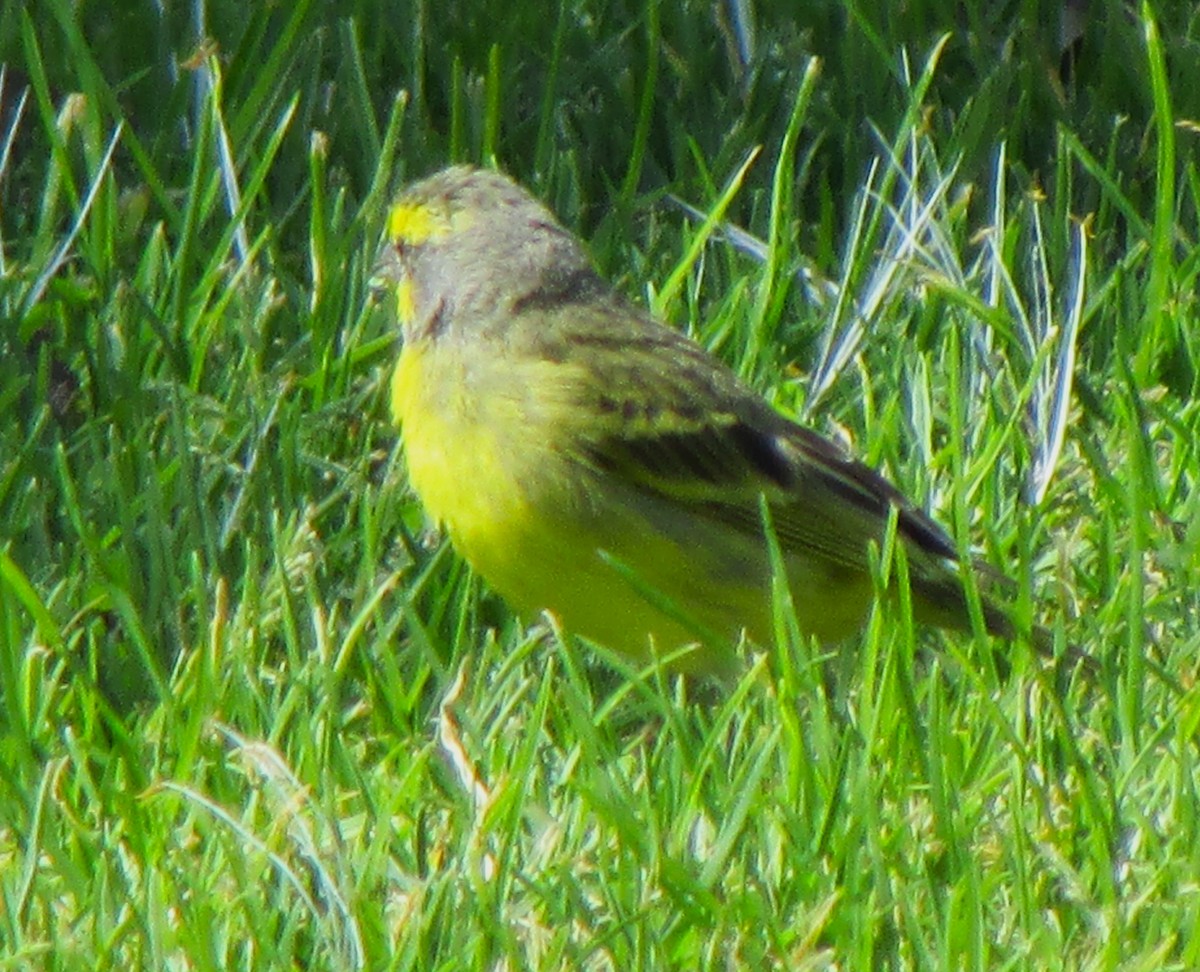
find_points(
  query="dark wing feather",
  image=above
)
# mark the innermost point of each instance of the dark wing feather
(671, 420)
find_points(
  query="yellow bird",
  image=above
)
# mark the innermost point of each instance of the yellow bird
(590, 461)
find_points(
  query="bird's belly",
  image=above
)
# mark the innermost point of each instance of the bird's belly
(620, 576)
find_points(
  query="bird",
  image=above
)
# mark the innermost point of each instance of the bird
(590, 461)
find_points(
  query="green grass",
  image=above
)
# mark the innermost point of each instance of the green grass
(254, 715)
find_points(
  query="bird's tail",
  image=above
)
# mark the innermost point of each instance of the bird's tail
(944, 603)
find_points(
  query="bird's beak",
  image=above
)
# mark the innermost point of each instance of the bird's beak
(387, 273)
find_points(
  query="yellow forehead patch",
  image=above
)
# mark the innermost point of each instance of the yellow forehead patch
(414, 223)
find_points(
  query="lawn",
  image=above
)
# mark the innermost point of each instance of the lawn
(254, 713)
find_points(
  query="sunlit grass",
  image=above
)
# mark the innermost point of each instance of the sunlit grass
(254, 714)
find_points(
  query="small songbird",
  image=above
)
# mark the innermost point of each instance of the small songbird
(589, 461)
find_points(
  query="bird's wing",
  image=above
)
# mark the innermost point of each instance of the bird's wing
(822, 502)
(700, 439)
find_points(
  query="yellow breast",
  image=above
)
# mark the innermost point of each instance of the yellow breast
(482, 441)
(461, 460)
